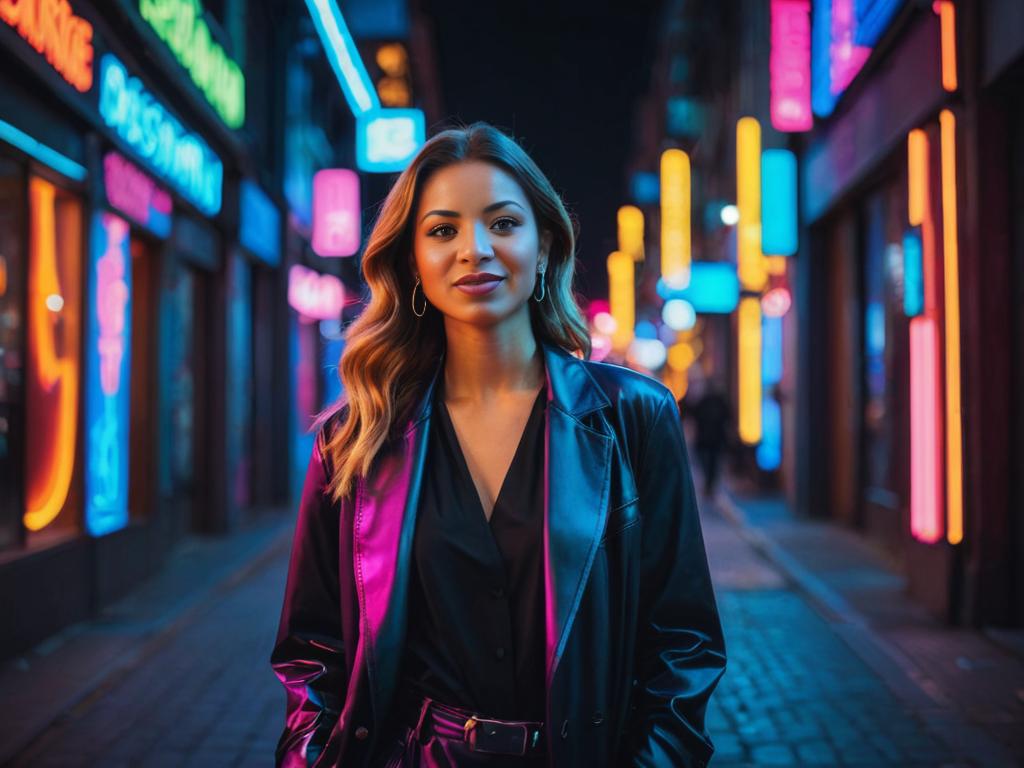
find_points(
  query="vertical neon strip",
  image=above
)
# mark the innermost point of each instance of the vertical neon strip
(778, 202)
(951, 284)
(621, 298)
(925, 421)
(675, 218)
(947, 21)
(630, 220)
(789, 65)
(53, 369)
(917, 175)
(750, 389)
(769, 451)
(913, 280)
(108, 341)
(751, 265)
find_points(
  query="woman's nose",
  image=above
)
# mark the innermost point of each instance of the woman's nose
(477, 244)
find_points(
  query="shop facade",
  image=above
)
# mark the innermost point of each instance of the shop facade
(141, 297)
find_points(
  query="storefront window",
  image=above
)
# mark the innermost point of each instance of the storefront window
(178, 381)
(885, 352)
(12, 351)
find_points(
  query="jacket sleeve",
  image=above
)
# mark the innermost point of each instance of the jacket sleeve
(308, 656)
(680, 647)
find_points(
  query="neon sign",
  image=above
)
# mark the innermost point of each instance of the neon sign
(778, 202)
(750, 257)
(53, 360)
(790, 65)
(260, 223)
(53, 30)
(136, 195)
(713, 289)
(675, 218)
(314, 295)
(177, 155)
(108, 356)
(386, 139)
(180, 24)
(343, 56)
(337, 217)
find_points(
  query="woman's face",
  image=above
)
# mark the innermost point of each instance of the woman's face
(477, 246)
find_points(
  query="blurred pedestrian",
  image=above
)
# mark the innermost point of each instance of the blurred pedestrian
(712, 418)
(497, 559)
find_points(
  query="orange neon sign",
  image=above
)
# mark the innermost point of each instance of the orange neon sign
(53, 359)
(51, 27)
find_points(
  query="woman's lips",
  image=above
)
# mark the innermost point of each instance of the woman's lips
(478, 289)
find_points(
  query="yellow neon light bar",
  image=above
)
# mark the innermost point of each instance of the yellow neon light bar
(675, 218)
(749, 329)
(631, 231)
(751, 266)
(951, 272)
(621, 298)
(947, 22)
(917, 176)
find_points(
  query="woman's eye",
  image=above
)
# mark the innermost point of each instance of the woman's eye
(442, 230)
(506, 223)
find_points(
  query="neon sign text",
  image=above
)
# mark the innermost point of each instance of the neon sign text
(109, 351)
(174, 153)
(313, 295)
(336, 212)
(135, 194)
(180, 24)
(53, 30)
(790, 65)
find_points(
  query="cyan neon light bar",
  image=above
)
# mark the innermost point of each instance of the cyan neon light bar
(713, 289)
(771, 350)
(913, 275)
(778, 202)
(386, 139)
(769, 450)
(344, 56)
(41, 152)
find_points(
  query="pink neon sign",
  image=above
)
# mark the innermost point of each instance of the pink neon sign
(790, 65)
(111, 299)
(336, 214)
(135, 194)
(925, 431)
(847, 57)
(313, 295)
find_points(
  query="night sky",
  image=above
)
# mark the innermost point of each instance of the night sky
(564, 78)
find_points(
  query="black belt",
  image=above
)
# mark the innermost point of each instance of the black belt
(482, 734)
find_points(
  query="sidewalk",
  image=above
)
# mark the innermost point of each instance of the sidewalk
(77, 668)
(971, 688)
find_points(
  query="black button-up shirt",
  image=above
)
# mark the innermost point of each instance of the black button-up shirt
(476, 609)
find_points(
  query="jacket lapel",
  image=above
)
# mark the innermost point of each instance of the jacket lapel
(577, 463)
(577, 468)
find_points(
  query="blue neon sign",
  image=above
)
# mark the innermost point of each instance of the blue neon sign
(387, 139)
(778, 202)
(769, 450)
(913, 275)
(177, 155)
(260, 227)
(713, 289)
(107, 361)
(771, 350)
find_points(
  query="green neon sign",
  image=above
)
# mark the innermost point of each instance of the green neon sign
(180, 24)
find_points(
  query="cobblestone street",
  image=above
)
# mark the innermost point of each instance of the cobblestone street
(199, 692)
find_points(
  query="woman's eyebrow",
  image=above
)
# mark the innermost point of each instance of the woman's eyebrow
(488, 209)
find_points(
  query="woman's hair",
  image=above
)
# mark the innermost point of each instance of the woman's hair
(390, 353)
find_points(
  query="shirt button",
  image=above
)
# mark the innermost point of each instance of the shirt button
(500, 653)
(362, 732)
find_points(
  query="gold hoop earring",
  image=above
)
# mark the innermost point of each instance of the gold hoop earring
(424, 311)
(543, 290)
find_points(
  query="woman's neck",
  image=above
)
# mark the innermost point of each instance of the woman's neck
(484, 363)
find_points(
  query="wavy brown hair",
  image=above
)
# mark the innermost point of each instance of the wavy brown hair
(390, 354)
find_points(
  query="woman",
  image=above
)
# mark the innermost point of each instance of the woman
(498, 558)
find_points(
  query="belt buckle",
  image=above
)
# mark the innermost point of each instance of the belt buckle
(496, 737)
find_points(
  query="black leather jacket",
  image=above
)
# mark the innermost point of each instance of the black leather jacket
(634, 643)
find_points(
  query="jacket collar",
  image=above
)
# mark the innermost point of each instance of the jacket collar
(577, 465)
